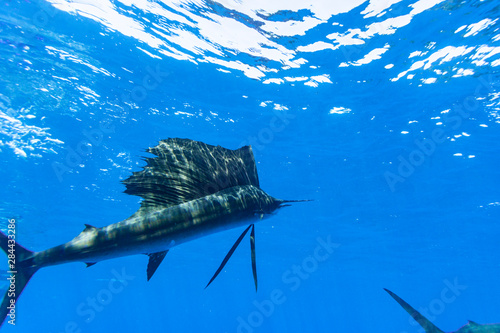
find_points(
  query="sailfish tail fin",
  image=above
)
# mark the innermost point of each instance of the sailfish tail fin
(20, 272)
(424, 322)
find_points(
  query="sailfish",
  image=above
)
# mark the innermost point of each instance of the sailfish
(429, 327)
(189, 189)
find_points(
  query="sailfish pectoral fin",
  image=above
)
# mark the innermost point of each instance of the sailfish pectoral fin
(229, 254)
(155, 260)
(254, 261)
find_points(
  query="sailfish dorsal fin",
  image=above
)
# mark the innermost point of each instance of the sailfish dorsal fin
(184, 170)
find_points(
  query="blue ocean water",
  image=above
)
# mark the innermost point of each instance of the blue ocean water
(385, 113)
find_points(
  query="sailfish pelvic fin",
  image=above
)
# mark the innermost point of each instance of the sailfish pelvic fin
(254, 261)
(231, 251)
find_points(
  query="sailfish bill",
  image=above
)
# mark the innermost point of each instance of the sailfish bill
(189, 189)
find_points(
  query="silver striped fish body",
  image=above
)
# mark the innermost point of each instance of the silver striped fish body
(160, 230)
(189, 189)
